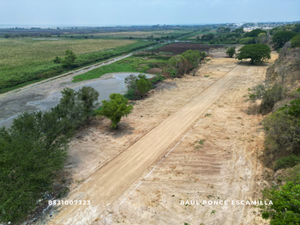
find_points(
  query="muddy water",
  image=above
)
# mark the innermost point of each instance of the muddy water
(107, 84)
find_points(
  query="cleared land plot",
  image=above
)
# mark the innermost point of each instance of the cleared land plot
(180, 47)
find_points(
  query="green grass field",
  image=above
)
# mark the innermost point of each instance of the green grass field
(24, 61)
(130, 64)
(143, 34)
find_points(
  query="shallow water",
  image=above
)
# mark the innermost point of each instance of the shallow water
(104, 87)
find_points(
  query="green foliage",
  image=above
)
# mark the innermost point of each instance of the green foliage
(115, 109)
(223, 30)
(286, 162)
(130, 64)
(296, 28)
(281, 37)
(296, 41)
(89, 97)
(20, 75)
(69, 59)
(143, 86)
(30, 154)
(7, 36)
(283, 130)
(254, 33)
(230, 52)
(176, 62)
(57, 60)
(157, 78)
(193, 57)
(207, 37)
(269, 96)
(256, 52)
(286, 202)
(247, 40)
(239, 31)
(275, 29)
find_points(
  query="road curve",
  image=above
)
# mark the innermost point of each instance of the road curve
(111, 181)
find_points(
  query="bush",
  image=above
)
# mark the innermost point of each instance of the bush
(254, 33)
(143, 86)
(296, 41)
(247, 40)
(69, 59)
(31, 153)
(137, 86)
(269, 96)
(281, 37)
(230, 52)
(115, 109)
(283, 130)
(285, 208)
(286, 162)
(257, 53)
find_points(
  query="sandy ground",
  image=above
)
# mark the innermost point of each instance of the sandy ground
(140, 173)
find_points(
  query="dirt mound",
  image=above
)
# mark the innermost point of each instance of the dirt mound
(181, 47)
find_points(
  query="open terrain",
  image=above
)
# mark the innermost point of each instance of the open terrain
(195, 141)
(30, 60)
(143, 34)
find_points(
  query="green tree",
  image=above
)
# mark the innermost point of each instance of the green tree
(207, 37)
(69, 59)
(198, 38)
(32, 151)
(296, 41)
(57, 60)
(254, 33)
(193, 57)
(143, 86)
(115, 109)
(230, 52)
(286, 204)
(296, 28)
(281, 37)
(89, 97)
(176, 63)
(7, 36)
(257, 53)
(239, 30)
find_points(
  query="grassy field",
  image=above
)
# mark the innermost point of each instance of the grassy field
(130, 64)
(143, 34)
(26, 60)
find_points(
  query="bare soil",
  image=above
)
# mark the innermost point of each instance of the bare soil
(180, 47)
(139, 173)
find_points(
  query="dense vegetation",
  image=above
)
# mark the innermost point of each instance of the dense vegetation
(34, 149)
(137, 86)
(257, 53)
(32, 65)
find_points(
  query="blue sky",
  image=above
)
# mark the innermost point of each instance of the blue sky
(145, 12)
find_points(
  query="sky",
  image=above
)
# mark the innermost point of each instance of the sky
(145, 12)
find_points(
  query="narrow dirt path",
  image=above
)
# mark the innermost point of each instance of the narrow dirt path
(111, 181)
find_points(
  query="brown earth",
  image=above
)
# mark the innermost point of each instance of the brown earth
(114, 166)
(180, 47)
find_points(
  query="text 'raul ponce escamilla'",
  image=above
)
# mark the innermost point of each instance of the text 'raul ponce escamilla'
(226, 202)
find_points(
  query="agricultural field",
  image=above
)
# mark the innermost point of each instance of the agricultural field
(180, 47)
(143, 34)
(26, 60)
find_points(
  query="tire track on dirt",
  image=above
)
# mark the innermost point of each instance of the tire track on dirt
(113, 179)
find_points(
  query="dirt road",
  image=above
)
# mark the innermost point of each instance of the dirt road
(111, 181)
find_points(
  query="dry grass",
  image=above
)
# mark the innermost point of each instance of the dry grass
(141, 34)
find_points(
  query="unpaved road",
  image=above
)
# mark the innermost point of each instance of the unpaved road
(108, 183)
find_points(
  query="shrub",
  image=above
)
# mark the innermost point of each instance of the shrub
(254, 33)
(57, 60)
(247, 40)
(281, 37)
(143, 86)
(137, 86)
(296, 41)
(230, 52)
(286, 162)
(193, 57)
(285, 208)
(69, 59)
(269, 96)
(115, 109)
(31, 153)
